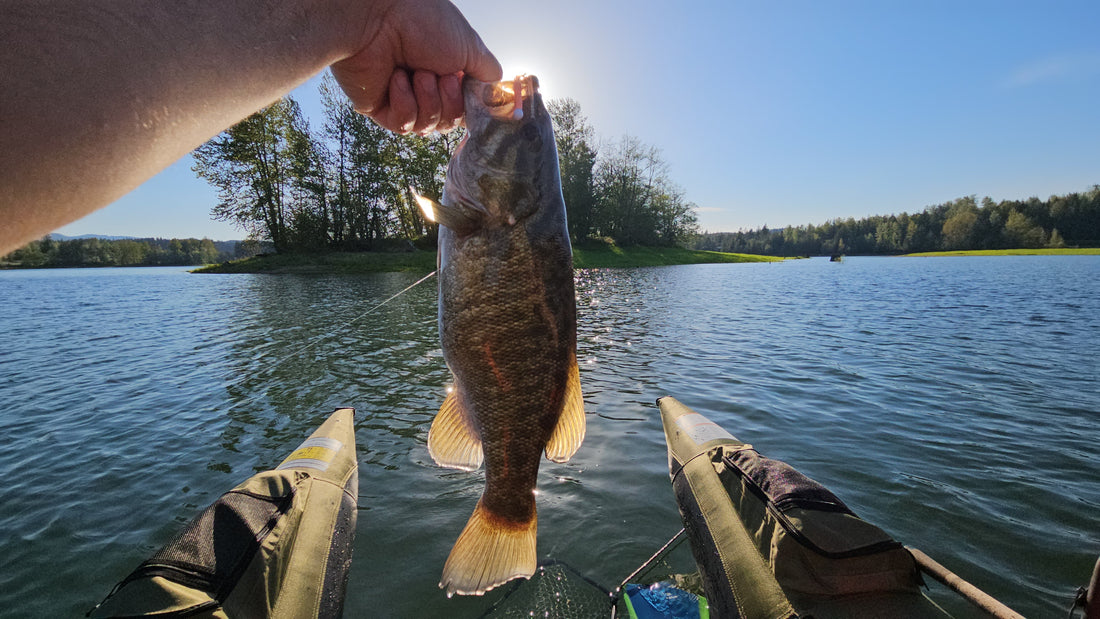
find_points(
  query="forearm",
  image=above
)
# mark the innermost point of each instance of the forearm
(99, 96)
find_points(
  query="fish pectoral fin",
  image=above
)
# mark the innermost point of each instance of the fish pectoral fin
(569, 433)
(452, 440)
(462, 217)
(489, 552)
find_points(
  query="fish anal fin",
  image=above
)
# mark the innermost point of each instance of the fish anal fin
(489, 552)
(569, 433)
(452, 440)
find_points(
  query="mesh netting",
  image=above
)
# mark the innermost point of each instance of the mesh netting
(558, 591)
(555, 591)
(216, 546)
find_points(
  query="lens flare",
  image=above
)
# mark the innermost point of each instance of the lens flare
(426, 205)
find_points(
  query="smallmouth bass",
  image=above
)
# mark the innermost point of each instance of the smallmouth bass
(507, 324)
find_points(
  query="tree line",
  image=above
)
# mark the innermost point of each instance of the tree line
(95, 252)
(346, 185)
(1071, 220)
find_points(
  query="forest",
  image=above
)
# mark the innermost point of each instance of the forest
(93, 252)
(345, 185)
(1072, 220)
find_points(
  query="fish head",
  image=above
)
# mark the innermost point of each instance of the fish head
(496, 110)
(505, 171)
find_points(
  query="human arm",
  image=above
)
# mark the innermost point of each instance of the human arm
(98, 97)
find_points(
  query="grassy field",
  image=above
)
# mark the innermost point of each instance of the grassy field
(1063, 251)
(603, 256)
(587, 257)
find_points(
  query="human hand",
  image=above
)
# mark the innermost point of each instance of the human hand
(407, 71)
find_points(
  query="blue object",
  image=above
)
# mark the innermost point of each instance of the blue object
(664, 600)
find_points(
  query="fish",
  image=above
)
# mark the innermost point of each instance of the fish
(507, 324)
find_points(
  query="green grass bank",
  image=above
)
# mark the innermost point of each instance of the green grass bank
(1061, 251)
(336, 262)
(608, 256)
(596, 256)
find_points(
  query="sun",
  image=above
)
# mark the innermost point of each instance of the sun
(527, 66)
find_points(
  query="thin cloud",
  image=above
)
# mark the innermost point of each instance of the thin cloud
(708, 209)
(1071, 67)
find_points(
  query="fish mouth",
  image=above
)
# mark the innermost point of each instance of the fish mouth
(511, 99)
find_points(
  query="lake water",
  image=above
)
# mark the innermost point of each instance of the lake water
(952, 401)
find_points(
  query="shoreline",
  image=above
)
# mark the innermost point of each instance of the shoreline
(1046, 251)
(604, 257)
(591, 257)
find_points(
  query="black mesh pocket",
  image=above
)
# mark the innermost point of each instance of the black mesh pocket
(212, 552)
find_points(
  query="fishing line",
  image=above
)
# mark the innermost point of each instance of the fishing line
(325, 336)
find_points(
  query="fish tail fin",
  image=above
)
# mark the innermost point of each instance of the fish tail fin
(489, 552)
(569, 433)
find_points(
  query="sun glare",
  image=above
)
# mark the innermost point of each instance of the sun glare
(526, 67)
(426, 205)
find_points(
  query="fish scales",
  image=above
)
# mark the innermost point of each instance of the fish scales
(508, 343)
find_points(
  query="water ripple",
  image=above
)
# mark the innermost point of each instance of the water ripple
(952, 402)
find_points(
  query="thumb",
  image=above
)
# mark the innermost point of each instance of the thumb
(481, 64)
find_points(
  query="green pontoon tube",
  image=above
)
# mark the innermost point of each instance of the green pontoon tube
(772, 543)
(278, 545)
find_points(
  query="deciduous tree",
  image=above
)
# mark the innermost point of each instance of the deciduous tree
(577, 159)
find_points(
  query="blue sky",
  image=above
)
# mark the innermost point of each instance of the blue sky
(783, 113)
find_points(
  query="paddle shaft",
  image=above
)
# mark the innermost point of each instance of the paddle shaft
(974, 595)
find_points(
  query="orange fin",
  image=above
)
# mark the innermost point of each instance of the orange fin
(489, 552)
(452, 440)
(569, 433)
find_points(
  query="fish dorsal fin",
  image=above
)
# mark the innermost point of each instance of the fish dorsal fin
(569, 433)
(452, 441)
